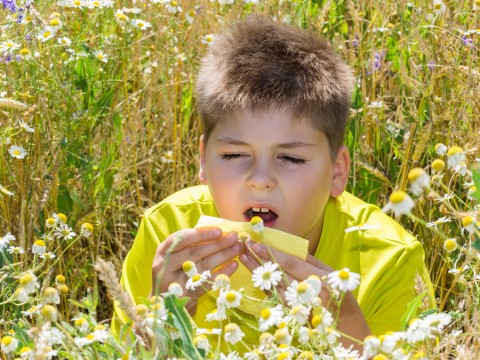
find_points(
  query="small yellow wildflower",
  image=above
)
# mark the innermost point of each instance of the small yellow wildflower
(438, 165)
(400, 203)
(450, 245)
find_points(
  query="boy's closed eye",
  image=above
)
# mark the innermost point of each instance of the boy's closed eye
(283, 158)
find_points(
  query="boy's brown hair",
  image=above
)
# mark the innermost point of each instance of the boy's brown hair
(263, 65)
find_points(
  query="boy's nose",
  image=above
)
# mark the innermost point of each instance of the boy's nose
(261, 178)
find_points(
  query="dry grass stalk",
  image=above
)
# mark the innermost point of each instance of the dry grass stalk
(106, 272)
(12, 104)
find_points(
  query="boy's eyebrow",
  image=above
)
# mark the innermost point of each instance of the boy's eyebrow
(290, 145)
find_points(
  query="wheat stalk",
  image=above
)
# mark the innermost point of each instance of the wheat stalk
(12, 104)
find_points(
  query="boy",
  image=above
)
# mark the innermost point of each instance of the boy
(274, 101)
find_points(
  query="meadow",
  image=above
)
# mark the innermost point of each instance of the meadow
(98, 123)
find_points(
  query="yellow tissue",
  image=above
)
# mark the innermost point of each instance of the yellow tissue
(242, 278)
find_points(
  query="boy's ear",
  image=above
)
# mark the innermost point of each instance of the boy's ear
(202, 176)
(341, 170)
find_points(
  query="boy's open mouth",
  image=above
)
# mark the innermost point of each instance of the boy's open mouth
(267, 215)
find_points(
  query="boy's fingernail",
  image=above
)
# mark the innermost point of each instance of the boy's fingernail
(216, 232)
(258, 248)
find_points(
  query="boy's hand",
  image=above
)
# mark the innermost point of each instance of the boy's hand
(207, 247)
(351, 320)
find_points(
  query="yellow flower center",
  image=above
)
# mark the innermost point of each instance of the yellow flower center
(77, 3)
(60, 279)
(80, 322)
(90, 336)
(265, 314)
(344, 274)
(141, 309)
(63, 289)
(256, 219)
(267, 275)
(24, 52)
(16, 152)
(87, 226)
(99, 327)
(140, 24)
(54, 22)
(302, 287)
(450, 245)
(26, 279)
(122, 17)
(7, 340)
(62, 217)
(317, 320)
(305, 355)
(468, 220)
(231, 296)
(283, 355)
(454, 150)
(281, 334)
(96, 4)
(48, 310)
(100, 56)
(419, 354)
(438, 165)
(9, 44)
(188, 265)
(39, 243)
(438, 6)
(47, 34)
(229, 328)
(173, 3)
(380, 357)
(50, 291)
(24, 349)
(415, 173)
(397, 197)
(196, 278)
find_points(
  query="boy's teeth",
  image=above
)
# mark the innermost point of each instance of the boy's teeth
(263, 210)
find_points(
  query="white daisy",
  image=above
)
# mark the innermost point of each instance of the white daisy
(21, 295)
(65, 41)
(25, 54)
(300, 293)
(299, 314)
(51, 295)
(455, 155)
(81, 323)
(175, 289)
(468, 223)
(400, 203)
(100, 55)
(232, 333)
(435, 323)
(197, 280)
(450, 245)
(86, 230)
(16, 250)
(39, 247)
(140, 24)
(9, 344)
(371, 346)
(270, 317)
(322, 320)
(461, 168)
(343, 280)
(217, 314)
(65, 232)
(173, 6)
(189, 268)
(5, 240)
(46, 34)
(26, 127)
(229, 298)
(17, 152)
(201, 342)
(282, 335)
(441, 149)
(441, 220)
(419, 180)
(207, 39)
(121, 17)
(9, 47)
(266, 276)
(189, 16)
(222, 281)
(29, 282)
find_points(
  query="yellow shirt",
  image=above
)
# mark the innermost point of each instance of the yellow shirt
(386, 256)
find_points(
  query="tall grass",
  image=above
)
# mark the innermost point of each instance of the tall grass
(115, 128)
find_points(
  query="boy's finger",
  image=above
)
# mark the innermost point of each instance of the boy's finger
(184, 238)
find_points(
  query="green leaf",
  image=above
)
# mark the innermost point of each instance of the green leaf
(412, 310)
(476, 181)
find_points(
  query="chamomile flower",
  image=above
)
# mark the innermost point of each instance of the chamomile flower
(9, 344)
(282, 335)
(21, 295)
(455, 156)
(140, 24)
(15, 250)
(371, 346)
(207, 39)
(400, 203)
(49, 312)
(61, 218)
(39, 247)
(299, 314)
(472, 190)
(439, 221)
(190, 16)
(270, 317)
(46, 34)
(439, 7)
(222, 281)
(100, 55)
(343, 280)
(29, 282)
(81, 324)
(438, 165)
(31, 311)
(55, 24)
(461, 168)
(229, 298)
(25, 54)
(5, 240)
(419, 180)
(217, 314)
(322, 320)
(51, 295)
(232, 333)
(435, 323)
(121, 17)
(9, 47)
(63, 231)
(59, 279)
(17, 152)
(50, 222)
(65, 41)
(198, 280)
(189, 268)
(441, 149)
(86, 230)
(173, 6)
(266, 276)
(300, 293)
(450, 245)
(201, 342)
(468, 223)
(175, 289)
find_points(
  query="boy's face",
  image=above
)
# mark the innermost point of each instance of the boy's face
(266, 164)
